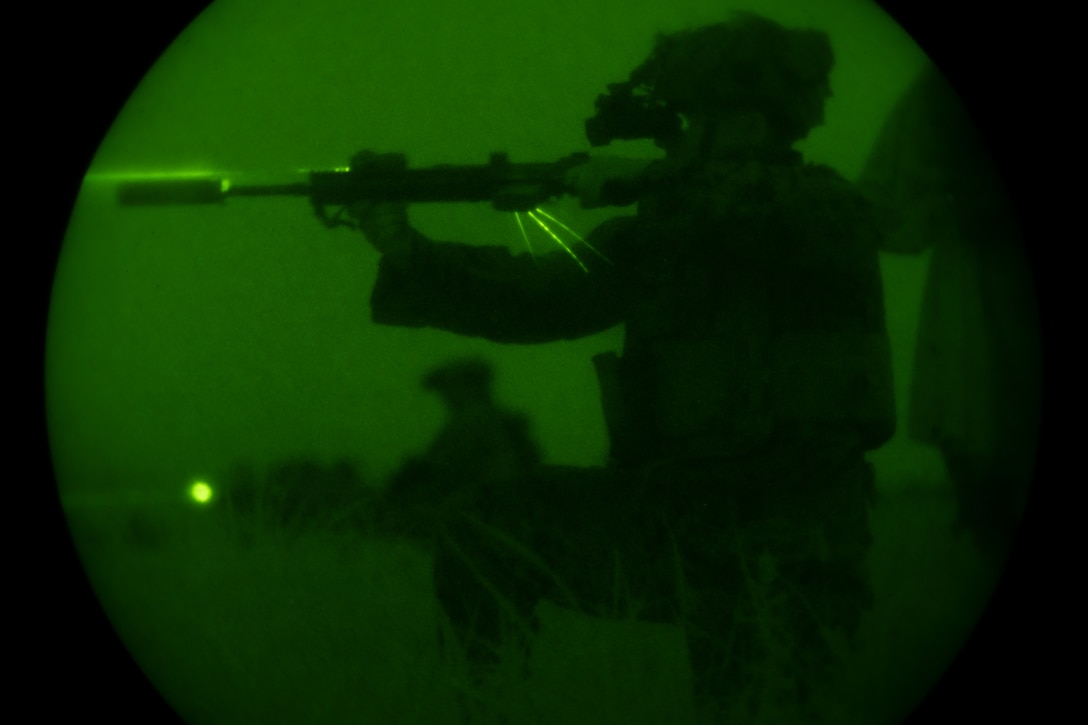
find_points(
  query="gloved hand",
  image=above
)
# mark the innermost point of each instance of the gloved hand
(384, 223)
(587, 180)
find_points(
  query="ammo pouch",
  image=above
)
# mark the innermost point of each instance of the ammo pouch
(713, 396)
(827, 379)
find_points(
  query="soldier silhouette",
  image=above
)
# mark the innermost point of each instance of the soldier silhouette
(755, 371)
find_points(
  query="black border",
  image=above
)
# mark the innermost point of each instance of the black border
(999, 63)
(82, 62)
(96, 57)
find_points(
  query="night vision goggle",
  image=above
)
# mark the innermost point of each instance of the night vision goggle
(623, 114)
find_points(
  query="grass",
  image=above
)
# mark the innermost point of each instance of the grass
(330, 628)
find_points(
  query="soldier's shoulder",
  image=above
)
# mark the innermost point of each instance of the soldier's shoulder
(826, 179)
(826, 186)
(822, 201)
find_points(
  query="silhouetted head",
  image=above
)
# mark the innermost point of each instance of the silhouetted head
(461, 381)
(733, 72)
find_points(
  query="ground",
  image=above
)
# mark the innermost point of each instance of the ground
(326, 630)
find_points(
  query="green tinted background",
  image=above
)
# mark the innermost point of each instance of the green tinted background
(182, 340)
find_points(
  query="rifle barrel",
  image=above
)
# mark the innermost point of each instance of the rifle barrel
(509, 187)
(201, 190)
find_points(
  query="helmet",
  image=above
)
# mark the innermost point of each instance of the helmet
(748, 63)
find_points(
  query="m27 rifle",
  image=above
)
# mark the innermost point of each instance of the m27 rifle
(620, 114)
(379, 177)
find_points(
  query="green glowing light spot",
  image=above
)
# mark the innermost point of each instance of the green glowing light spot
(201, 492)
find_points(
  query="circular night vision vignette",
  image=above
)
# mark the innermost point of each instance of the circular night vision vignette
(106, 642)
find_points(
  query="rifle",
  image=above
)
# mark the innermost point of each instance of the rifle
(385, 177)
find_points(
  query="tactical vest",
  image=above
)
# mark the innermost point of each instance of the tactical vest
(756, 312)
